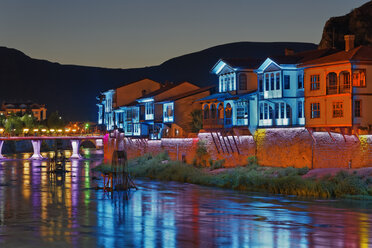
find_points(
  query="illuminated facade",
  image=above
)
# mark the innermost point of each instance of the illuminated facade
(37, 110)
(281, 94)
(113, 102)
(162, 113)
(235, 103)
(338, 92)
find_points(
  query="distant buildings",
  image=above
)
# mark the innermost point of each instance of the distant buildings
(322, 90)
(37, 110)
(149, 109)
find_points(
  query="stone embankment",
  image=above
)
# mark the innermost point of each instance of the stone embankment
(272, 147)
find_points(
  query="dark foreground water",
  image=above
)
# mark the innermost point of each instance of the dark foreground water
(37, 211)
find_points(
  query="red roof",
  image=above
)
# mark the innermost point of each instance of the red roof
(361, 53)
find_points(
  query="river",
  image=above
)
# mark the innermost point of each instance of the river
(38, 211)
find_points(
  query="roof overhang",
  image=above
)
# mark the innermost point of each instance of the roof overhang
(219, 66)
(265, 65)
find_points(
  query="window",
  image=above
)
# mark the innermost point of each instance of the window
(260, 84)
(357, 108)
(287, 83)
(149, 108)
(282, 110)
(272, 83)
(278, 81)
(332, 83)
(241, 110)
(261, 111)
(359, 78)
(266, 112)
(314, 82)
(168, 112)
(345, 80)
(228, 84)
(128, 127)
(213, 111)
(315, 110)
(241, 113)
(267, 82)
(242, 82)
(299, 109)
(277, 110)
(206, 111)
(271, 113)
(300, 81)
(228, 111)
(288, 111)
(338, 110)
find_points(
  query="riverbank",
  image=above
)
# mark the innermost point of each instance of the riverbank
(252, 177)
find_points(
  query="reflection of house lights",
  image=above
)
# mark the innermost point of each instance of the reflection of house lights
(52, 130)
(43, 130)
(25, 130)
(59, 130)
(67, 130)
(74, 130)
(1, 130)
(36, 130)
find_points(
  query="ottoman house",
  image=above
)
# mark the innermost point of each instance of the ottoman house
(235, 103)
(166, 112)
(113, 102)
(338, 90)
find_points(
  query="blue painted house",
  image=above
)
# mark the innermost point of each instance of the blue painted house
(165, 112)
(281, 89)
(235, 103)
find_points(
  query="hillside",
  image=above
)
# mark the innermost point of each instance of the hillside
(72, 89)
(357, 22)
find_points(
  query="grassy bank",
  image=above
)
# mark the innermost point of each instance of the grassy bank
(252, 177)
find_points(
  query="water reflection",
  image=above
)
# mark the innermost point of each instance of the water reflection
(37, 209)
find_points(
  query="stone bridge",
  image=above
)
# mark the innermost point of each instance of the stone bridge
(37, 140)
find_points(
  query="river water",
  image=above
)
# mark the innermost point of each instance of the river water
(38, 211)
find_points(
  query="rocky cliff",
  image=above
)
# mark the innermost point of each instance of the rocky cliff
(357, 22)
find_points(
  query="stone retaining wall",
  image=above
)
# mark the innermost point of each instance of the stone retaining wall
(272, 147)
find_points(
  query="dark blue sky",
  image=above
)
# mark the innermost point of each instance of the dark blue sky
(123, 33)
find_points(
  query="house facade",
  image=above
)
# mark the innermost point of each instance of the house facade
(280, 94)
(113, 103)
(235, 103)
(37, 110)
(164, 112)
(338, 92)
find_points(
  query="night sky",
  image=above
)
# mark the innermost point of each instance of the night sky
(123, 34)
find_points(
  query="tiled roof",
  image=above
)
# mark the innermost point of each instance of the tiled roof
(162, 89)
(243, 63)
(189, 93)
(302, 57)
(22, 105)
(361, 53)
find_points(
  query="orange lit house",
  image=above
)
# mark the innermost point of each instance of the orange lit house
(37, 110)
(338, 90)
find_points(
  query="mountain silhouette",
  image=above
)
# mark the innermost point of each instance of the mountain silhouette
(72, 89)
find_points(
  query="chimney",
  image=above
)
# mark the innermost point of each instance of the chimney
(288, 51)
(349, 42)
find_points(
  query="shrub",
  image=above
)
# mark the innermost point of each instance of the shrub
(217, 164)
(251, 160)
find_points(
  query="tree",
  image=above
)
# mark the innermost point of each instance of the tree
(29, 121)
(196, 120)
(13, 125)
(55, 120)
